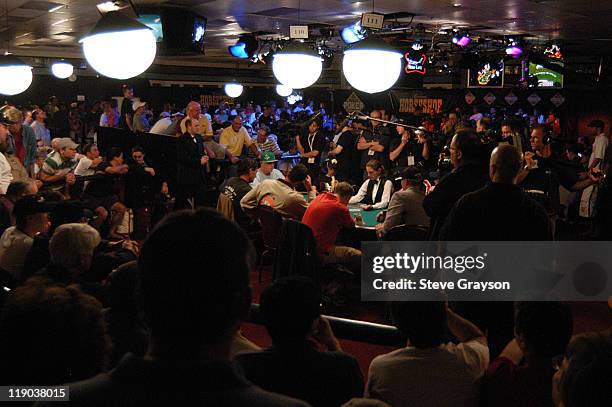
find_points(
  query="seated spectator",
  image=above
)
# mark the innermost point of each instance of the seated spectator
(267, 170)
(167, 124)
(235, 137)
(266, 142)
(127, 330)
(140, 122)
(99, 195)
(236, 188)
(51, 335)
(293, 366)
(89, 162)
(57, 169)
(375, 193)
(16, 190)
(194, 313)
(522, 374)
(281, 194)
(31, 218)
(406, 206)
(71, 251)
(326, 215)
(428, 371)
(583, 378)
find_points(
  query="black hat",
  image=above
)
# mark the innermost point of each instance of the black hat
(31, 205)
(596, 123)
(412, 174)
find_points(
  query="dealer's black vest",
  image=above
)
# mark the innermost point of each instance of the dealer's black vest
(381, 188)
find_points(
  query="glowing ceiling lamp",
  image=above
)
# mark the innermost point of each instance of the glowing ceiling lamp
(15, 75)
(62, 69)
(284, 90)
(462, 40)
(372, 65)
(119, 47)
(514, 49)
(297, 66)
(233, 89)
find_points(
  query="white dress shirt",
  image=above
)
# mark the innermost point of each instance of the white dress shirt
(6, 176)
(386, 196)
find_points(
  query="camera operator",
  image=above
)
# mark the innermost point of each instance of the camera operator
(468, 175)
(544, 170)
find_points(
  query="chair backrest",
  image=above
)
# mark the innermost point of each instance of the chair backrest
(407, 233)
(297, 251)
(225, 206)
(271, 222)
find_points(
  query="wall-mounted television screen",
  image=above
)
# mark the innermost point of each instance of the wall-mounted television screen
(154, 22)
(541, 76)
(488, 74)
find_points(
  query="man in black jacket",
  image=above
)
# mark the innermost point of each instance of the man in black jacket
(468, 175)
(192, 163)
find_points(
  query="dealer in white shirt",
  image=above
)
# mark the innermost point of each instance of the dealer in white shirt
(375, 193)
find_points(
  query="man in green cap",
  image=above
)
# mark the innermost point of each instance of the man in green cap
(266, 169)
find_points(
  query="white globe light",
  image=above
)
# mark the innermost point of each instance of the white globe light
(15, 75)
(371, 67)
(233, 90)
(120, 54)
(284, 90)
(62, 70)
(297, 67)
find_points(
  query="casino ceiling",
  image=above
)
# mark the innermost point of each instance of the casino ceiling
(52, 29)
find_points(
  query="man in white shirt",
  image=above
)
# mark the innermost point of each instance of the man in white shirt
(375, 193)
(6, 176)
(600, 145)
(266, 169)
(89, 161)
(430, 372)
(167, 124)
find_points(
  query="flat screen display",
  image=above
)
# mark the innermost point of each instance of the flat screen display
(545, 77)
(488, 74)
(154, 22)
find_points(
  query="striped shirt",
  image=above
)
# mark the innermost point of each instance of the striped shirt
(269, 145)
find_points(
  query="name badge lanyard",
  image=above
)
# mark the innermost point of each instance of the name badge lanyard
(311, 160)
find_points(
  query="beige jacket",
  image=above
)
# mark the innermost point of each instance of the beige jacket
(287, 201)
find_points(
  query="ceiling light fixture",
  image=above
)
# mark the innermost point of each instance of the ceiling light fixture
(284, 90)
(372, 65)
(15, 75)
(54, 9)
(62, 69)
(461, 40)
(233, 89)
(514, 48)
(119, 47)
(297, 66)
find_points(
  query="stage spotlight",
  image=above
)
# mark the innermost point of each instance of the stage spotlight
(461, 40)
(245, 47)
(353, 33)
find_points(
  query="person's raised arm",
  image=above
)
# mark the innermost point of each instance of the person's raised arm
(463, 329)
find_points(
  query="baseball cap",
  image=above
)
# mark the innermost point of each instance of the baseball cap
(268, 157)
(164, 115)
(596, 123)
(31, 205)
(5, 120)
(66, 142)
(136, 105)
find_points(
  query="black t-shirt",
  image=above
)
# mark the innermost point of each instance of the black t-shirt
(102, 186)
(311, 143)
(236, 188)
(266, 121)
(412, 148)
(380, 134)
(126, 109)
(346, 159)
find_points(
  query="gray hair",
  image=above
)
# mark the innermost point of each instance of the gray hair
(72, 245)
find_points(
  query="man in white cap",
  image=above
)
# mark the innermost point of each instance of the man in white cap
(58, 167)
(167, 124)
(140, 122)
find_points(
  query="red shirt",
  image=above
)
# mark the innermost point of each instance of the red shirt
(19, 149)
(326, 216)
(509, 385)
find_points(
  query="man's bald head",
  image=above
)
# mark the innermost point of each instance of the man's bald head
(505, 164)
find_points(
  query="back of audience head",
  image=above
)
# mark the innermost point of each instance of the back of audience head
(585, 377)
(66, 212)
(298, 174)
(467, 147)
(289, 307)
(51, 335)
(194, 286)
(505, 164)
(72, 247)
(120, 287)
(423, 323)
(246, 167)
(113, 153)
(543, 329)
(18, 189)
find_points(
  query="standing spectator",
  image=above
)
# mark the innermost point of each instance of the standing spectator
(43, 135)
(194, 113)
(374, 142)
(192, 162)
(23, 139)
(441, 374)
(77, 126)
(344, 151)
(6, 175)
(110, 117)
(293, 366)
(596, 160)
(522, 374)
(125, 122)
(311, 144)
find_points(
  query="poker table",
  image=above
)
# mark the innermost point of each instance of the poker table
(369, 217)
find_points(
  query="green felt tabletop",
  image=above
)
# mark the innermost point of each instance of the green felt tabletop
(369, 217)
